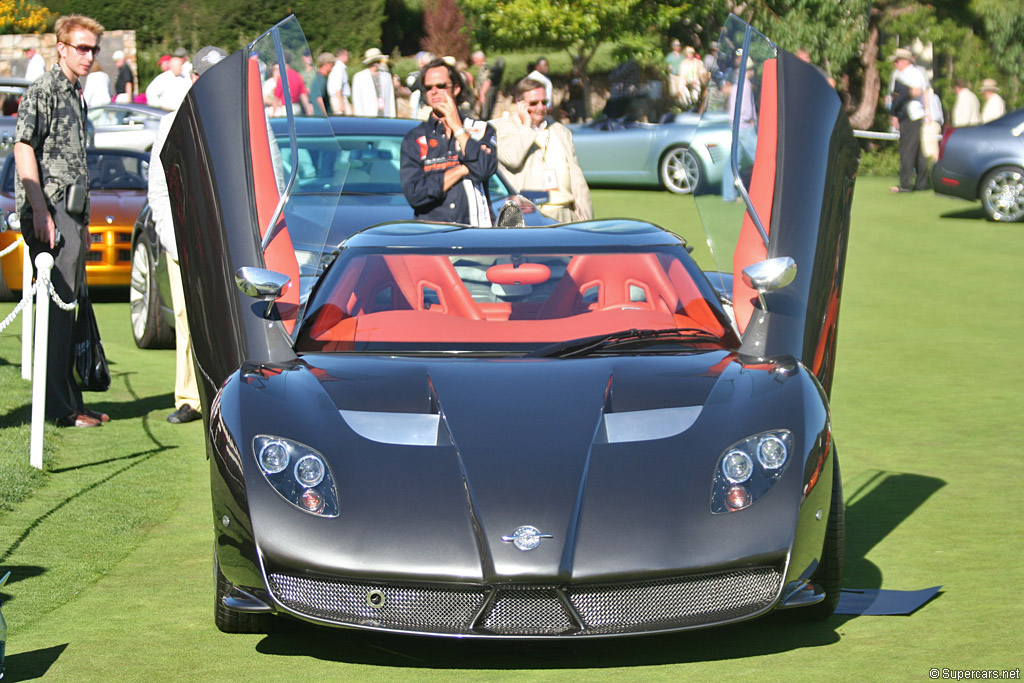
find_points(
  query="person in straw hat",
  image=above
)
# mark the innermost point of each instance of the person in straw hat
(373, 92)
(994, 106)
(909, 103)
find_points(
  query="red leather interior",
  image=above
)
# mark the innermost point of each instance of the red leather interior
(397, 298)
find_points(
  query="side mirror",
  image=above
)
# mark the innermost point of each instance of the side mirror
(770, 275)
(260, 283)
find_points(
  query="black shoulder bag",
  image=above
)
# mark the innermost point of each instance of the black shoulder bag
(90, 361)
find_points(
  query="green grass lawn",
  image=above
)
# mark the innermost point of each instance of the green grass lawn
(111, 547)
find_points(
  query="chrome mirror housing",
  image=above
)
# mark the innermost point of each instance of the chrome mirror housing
(769, 275)
(260, 283)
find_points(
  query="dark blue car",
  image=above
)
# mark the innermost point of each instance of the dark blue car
(985, 163)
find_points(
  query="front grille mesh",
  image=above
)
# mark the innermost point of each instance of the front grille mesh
(527, 612)
(675, 603)
(404, 607)
(535, 610)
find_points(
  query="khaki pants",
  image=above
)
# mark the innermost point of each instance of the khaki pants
(186, 390)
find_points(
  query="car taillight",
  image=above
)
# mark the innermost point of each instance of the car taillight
(945, 138)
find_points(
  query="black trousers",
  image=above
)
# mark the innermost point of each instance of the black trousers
(63, 396)
(913, 163)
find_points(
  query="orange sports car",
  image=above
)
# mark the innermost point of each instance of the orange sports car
(117, 190)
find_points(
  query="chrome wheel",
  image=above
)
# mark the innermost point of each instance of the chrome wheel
(140, 293)
(680, 171)
(1002, 194)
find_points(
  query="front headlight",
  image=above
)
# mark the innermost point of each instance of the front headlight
(749, 469)
(308, 484)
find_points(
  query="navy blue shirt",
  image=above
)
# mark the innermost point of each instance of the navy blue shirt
(427, 153)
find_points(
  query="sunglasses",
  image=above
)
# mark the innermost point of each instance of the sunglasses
(536, 102)
(437, 86)
(83, 50)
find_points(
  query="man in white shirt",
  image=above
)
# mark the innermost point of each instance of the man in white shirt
(36, 64)
(168, 90)
(967, 108)
(540, 73)
(910, 103)
(186, 389)
(373, 90)
(994, 106)
(338, 88)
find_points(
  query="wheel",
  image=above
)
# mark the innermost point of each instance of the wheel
(148, 326)
(680, 170)
(829, 574)
(230, 621)
(1002, 194)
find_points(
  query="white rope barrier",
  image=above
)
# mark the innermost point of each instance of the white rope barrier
(12, 246)
(42, 290)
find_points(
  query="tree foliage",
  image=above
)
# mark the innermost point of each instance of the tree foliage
(23, 16)
(832, 32)
(445, 29)
(579, 27)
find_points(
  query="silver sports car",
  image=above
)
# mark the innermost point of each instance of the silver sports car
(673, 155)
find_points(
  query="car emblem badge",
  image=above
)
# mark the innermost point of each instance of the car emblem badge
(110, 219)
(526, 537)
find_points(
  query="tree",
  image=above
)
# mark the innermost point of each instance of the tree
(445, 29)
(1004, 28)
(578, 27)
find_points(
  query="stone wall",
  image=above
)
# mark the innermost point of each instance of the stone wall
(12, 51)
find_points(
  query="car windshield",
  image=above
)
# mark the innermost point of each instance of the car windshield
(512, 300)
(108, 170)
(117, 170)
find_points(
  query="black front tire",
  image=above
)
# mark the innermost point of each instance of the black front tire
(829, 574)
(148, 326)
(230, 621)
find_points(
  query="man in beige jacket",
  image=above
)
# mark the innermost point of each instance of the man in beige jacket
(539, 155)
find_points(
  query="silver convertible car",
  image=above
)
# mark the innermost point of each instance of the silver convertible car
(677, 155)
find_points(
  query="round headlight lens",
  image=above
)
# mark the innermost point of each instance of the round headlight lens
(309, 470)
(737, 498)
(771, 452)
(737, 466)
(312, 500)
(274, 457)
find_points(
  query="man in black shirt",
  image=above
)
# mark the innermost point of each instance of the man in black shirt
(124, 86)
(447, 160)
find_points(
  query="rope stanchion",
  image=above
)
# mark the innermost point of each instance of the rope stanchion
(44, 263)
(26, 320)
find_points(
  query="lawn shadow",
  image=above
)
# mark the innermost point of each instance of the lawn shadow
(118, 410)
(890, 498)
(737, 641)
(18, 573)
(972, 212)
(27, 666)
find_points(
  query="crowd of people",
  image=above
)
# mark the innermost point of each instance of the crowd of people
(446, 160)
(916, 113)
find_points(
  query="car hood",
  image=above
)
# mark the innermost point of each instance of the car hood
(437, 460)
(119, 207)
